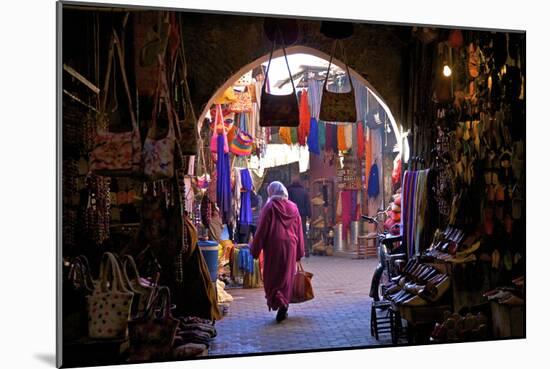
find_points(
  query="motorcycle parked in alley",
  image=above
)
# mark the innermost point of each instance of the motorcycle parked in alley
(389, 251)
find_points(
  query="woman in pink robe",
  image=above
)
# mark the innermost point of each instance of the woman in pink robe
(279, 235)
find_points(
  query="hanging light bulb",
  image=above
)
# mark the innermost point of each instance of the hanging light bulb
(447, 70)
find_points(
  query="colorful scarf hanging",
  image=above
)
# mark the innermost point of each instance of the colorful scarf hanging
(341, 134)
(223, 184)
(396, 172)
(294, 135)
(368, 155)
(413, 209)
(245, 215)
(313, 138)
(334, 138)
(304, 127)
(360, 140)
(284, 134)
(322, 134)
(348, 135)
(328, 137)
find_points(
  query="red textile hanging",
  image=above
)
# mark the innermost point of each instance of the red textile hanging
(360, 140)
(368, 156)
(396, 173)
(305, 117)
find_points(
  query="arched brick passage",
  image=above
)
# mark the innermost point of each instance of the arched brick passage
(300, 50)
(218, 46)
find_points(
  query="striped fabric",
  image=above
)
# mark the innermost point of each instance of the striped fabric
(413, 209)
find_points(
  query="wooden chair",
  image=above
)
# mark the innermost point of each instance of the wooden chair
(366, 245)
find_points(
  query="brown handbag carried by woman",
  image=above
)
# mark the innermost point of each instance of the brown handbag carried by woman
(302, 289)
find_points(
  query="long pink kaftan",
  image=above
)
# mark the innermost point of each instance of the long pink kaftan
(279, 235)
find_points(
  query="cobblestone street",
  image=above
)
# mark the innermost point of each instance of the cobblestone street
(338, 316)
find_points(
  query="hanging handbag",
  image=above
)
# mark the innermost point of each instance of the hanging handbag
(279, 110)
(77, 286)
(142, 287)
(109, 304)
(302, 289)
(335, 106)
(231, 133)
(187, 132)
(158, 154)
(242, 142)
(152, 335)
(218, 126)
(243, 102)
(116, 153)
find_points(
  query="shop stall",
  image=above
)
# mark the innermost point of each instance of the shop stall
(463, 208)
(162, 195)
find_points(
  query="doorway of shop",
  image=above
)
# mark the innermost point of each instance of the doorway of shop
(346, 170)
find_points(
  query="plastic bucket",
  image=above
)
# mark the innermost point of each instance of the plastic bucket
(209, 251)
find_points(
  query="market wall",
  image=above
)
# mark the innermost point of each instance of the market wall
(217, 46)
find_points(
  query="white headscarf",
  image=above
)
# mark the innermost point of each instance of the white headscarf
(276, 190)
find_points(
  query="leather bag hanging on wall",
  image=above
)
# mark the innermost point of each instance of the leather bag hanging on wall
(187, 131)
(110, 303)
(158, 154)
(152, 335)
(338, 107)
(116, 153)
(279, 110)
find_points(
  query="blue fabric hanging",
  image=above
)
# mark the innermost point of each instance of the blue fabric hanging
(374, 187)
(245, 215)
(223, 182)
(246, 260)
(313, 137)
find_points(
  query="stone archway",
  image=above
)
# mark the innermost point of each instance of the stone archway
(299, 49)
